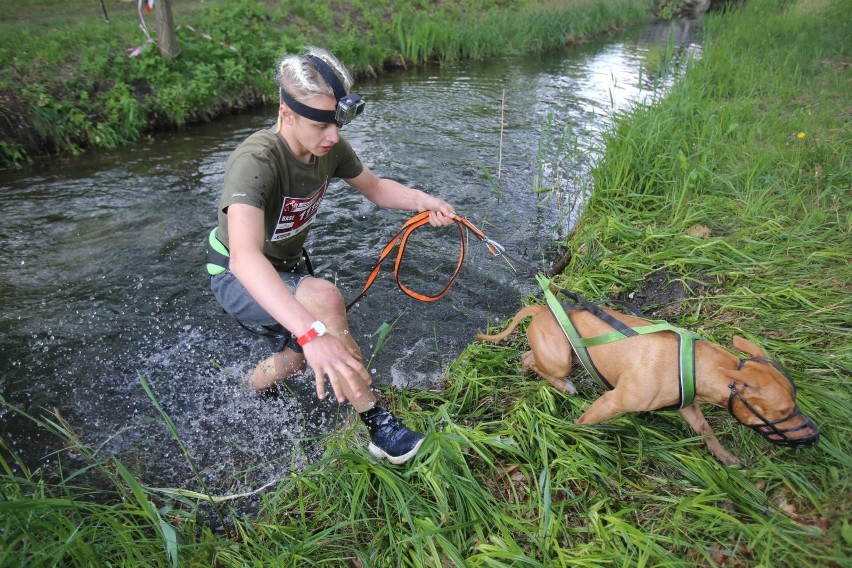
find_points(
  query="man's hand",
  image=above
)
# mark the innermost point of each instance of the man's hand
(328, 357)
(441, 213)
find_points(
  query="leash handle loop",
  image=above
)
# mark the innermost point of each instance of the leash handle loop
(401, 239)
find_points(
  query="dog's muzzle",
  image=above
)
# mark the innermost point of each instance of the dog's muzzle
(779, 431)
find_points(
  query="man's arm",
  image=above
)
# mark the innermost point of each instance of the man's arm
(391, 194)
(326, 354)
(256, 273)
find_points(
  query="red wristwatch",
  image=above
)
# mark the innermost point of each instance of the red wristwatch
(317, 328)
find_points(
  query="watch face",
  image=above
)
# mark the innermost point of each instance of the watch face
(319, 327)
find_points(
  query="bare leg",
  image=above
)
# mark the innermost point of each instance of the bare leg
(389, 438)
(324, 300)
(276, 368)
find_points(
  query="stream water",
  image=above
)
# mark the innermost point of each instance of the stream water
(103, 284)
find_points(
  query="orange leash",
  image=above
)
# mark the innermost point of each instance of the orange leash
(402, 237)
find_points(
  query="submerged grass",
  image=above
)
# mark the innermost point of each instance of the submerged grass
(735, 187)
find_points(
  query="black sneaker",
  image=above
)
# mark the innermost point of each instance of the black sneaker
(389, 439)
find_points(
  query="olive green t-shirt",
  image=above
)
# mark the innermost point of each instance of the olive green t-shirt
(264, 173)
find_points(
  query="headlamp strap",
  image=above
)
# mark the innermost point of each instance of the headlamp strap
(315, 114)
(329, 75)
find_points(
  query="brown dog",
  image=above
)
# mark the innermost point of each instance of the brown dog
(643, 371)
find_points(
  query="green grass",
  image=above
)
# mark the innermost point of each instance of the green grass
(505, 477)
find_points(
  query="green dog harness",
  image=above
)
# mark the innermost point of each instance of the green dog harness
(686, 340)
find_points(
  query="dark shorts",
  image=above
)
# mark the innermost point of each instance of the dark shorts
(235, 300)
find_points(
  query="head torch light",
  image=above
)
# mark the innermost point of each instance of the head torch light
(348, 106)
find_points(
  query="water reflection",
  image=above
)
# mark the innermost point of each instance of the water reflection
(103, 281)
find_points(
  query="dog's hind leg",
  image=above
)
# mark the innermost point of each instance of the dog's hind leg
(694, 417)
(528, 363)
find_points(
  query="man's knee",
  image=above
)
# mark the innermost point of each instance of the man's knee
(321, 294)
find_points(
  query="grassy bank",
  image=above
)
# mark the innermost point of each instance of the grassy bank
(67, 82)
(726, 208)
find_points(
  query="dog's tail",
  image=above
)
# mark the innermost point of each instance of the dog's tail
(526, 312)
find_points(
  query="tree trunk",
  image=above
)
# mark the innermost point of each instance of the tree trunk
(166, 36)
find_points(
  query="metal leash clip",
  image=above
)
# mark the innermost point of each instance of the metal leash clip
(495, 248)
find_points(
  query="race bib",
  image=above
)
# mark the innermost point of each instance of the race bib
(297, 214)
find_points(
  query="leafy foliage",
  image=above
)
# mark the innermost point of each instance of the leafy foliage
(77, 75)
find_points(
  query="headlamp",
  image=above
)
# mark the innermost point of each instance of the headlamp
(348, 106)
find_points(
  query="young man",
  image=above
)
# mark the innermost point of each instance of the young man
(274, 185)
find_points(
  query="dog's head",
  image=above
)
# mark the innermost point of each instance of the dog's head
(763, 397)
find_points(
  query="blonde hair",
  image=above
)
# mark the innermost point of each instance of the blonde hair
(301, 79)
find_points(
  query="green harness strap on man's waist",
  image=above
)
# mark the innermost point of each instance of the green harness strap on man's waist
(686, 341)
(217, 255)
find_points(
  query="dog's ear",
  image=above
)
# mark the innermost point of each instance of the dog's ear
(746, 346)
(743, 380)
(734, 376)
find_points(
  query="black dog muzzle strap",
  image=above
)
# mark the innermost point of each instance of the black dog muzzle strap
(772, 430)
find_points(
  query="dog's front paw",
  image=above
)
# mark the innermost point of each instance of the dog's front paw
(563, 385)
(728, 459)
